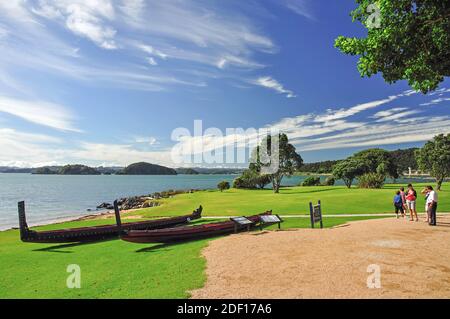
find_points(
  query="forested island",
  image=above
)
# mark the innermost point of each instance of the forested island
(143, 168)
(67, 170)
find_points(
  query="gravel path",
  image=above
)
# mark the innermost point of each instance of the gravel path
(414, 259)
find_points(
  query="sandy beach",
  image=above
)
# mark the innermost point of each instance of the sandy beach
(414, 261)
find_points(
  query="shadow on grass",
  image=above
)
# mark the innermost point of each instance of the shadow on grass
(157, 248)
(167, 246)
(56, 249)
(305, 190)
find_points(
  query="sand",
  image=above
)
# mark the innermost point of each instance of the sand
(414, 261)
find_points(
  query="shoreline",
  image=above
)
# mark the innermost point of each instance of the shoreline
(106, 214)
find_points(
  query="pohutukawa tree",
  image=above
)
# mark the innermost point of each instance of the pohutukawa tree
(375, 162)
(348, 170)
(406, 40)
(434, 158)
(276, 161)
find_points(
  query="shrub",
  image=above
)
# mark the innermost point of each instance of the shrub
(330, 181)
(223, 186)
(311, 181)
(371, 180)
(251, 180)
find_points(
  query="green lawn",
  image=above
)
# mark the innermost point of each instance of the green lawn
(116, 269)
(111, 269)
(292, 201)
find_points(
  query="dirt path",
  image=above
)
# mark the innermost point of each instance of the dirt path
(332, 263)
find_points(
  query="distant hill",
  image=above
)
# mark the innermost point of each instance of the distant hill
(219, 171)
(325, 167)
(66, 170)
(7, 169)
(45, 171)
(187, 171)
(78, 170)
(109, 170)
(403, 158)
(146, 169)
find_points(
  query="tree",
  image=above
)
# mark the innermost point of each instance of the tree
(224, 185)
(371, 180)
(405, 159)
(277, 162)
(376, 160)
(406, 40)
(434, 158)
(311, 181)
(348, 170)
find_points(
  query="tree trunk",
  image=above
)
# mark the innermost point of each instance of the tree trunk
(275, 186)
(348, 182)
(439, 182)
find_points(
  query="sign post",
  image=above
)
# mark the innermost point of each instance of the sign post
(316, 214)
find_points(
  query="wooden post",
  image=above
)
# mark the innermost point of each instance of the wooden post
(118, 220)
(311, 211)
(321, 215)
(22, 220)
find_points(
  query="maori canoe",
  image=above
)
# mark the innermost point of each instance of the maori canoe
(96, 233)
(186, 233)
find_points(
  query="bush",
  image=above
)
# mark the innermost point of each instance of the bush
(223, 186)
(251, 180)
(330, 181)
(371, 180)
(311, 181)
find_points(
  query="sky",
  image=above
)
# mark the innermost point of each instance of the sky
(112, 82)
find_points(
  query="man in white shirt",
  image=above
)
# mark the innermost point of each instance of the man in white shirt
(432, 201)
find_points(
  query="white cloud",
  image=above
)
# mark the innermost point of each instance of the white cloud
(271, 83)
(331, 114)
(38, 112)
(145, 140)
(85, 18)
(300, 7)
(216, 38)
(436, 101)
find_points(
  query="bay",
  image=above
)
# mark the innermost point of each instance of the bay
(57, 197)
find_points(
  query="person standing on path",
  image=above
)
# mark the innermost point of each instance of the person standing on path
(403, 196)
(398, 205)
(432, 202)
(426, 193)
(411, 197)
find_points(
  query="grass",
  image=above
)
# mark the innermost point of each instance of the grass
(117, 269)
(110, 269)
(292, 201)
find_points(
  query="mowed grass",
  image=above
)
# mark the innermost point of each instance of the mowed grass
(117, 269)
(110, 269)
(292, 201)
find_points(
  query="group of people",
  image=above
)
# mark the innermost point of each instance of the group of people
(405, 201)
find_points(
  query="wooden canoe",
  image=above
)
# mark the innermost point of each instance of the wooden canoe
(185, 233)
(96, 233)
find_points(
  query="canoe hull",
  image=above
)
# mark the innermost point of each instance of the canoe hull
(97, 233)
(186, 233)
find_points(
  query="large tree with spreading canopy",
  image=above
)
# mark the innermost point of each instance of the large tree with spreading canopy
(406, 40)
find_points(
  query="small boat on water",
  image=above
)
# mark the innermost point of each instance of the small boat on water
(97, 233)
(184, 233)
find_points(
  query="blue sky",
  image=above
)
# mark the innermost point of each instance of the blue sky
(106, 82)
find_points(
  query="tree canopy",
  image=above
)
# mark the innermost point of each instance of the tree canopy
(348, 170)
(276, 162)
(406, 40)
(371, 161)
(434, 158)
